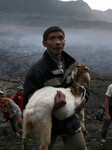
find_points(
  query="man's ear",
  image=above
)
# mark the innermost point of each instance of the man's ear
(44, 44)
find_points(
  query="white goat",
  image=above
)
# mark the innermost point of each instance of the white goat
(37, 114)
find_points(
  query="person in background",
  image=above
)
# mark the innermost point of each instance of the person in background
(18, 97)
(8, 112)
(108, 113)
(54, 69)
(93, 115)
(101, 113)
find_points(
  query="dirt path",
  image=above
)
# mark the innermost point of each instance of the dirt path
(92, 139)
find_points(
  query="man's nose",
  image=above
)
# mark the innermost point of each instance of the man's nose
(57, 41)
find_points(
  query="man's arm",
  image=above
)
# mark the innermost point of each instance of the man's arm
(107, 117)
(33, 82)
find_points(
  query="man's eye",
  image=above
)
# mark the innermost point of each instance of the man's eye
(52, 38)
(61, 37)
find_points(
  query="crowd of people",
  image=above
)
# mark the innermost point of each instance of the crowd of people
(99, 114)
(54, 69)
(9, 111)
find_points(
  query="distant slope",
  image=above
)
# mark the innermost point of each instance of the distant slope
(78, 10)
(44, 21)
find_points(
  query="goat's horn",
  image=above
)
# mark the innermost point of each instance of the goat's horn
(86, 68)
(78, 65)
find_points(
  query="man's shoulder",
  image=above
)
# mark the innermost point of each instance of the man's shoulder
(109, 91)
(38, 65)
(37, 62)
(7, 99)
(66, 55)
(110, 86)
(69, 60)
(14, 96)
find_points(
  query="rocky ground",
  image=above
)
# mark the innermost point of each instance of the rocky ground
(97, 96)
(92, 139)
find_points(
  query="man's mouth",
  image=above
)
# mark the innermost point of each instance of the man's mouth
(57, 48)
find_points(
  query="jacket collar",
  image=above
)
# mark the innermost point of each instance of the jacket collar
(52, 65)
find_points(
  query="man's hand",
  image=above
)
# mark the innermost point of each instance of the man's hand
(108, 118)
(59, 100)
(20, 120)
(81, 106)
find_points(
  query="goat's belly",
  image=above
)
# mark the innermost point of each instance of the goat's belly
(45, 97)
(65, 111)
(42, 101)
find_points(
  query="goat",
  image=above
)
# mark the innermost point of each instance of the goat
(38, 111)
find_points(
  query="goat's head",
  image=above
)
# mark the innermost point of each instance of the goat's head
(81, 76)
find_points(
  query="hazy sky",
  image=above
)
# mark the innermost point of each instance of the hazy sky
(98, 4)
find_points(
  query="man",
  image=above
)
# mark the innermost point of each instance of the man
(18, 97)
(54, 69)
(8, 111)
(108, 113)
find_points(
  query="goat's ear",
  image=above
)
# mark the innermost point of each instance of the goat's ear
(74, 72)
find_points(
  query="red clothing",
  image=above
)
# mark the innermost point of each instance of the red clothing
(5, 111)
(18, 100)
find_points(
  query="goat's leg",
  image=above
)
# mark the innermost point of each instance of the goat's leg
(45, 133)
(24, 143)
(81, 116)
(24, 136)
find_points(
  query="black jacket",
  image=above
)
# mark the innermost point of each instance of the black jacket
(46, 73)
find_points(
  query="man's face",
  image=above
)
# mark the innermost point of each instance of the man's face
(55, 43)
(2, 98)
(20, 92)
